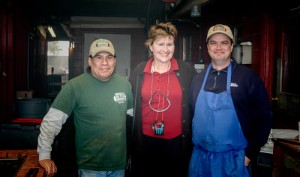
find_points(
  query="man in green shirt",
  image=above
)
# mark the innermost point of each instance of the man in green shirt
(99, 101)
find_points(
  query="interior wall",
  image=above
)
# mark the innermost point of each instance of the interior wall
(13, 54)
(122, 45)
(138, 52)
(262, 28)
(22, 55)
(258, 28)
(193, 32)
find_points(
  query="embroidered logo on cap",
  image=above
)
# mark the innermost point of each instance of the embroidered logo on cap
(102, 44)
(219, 28)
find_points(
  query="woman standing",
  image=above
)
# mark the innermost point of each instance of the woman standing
(162, 120)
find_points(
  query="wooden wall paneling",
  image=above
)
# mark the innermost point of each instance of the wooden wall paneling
(3, 61)
(21, 49)
(268, 56)
(10, 60)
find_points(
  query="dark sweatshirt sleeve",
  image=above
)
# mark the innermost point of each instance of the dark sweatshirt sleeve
(260, 123)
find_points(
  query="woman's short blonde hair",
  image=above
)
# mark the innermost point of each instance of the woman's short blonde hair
(162, 29)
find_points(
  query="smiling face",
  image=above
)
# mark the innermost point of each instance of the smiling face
(163, 49)
(219, 48)
(102, 65)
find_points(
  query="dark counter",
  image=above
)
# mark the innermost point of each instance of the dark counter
(286, 157)
(20, 133)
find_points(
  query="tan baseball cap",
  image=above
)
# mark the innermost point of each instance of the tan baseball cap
(219, 28)
(101, 45)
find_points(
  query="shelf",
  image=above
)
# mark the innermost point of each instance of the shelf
(55, 83)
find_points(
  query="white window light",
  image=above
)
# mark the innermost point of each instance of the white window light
(51, 31)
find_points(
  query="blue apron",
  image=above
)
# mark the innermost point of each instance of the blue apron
(219, 143)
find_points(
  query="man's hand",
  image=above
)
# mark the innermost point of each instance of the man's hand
(49, 167)
(247, 161)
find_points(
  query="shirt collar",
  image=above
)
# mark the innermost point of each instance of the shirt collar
(174, 65)
(212, 70)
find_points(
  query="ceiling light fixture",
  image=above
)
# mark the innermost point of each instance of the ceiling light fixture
(51, 31)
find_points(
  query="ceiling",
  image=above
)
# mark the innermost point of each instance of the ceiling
(58, 13)
(103, 8)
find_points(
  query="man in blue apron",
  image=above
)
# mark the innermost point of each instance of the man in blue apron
(232, 112)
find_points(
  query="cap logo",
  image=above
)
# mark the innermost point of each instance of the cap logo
(219, 28)
(102, 44)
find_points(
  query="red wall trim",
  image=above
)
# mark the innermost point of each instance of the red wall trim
(267, 52)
